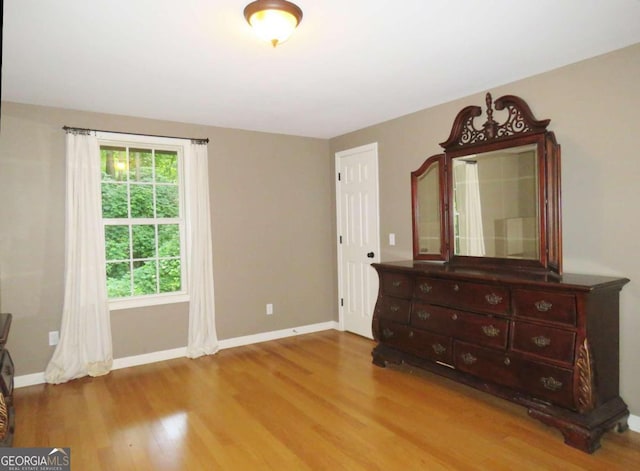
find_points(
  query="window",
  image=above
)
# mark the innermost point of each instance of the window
(142, 215)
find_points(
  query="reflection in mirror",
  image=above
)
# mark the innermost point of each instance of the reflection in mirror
(428, 210)
(495, 198)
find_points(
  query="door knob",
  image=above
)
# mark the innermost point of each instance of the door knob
(370, 255)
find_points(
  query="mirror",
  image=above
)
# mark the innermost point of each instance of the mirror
(493, 198)
(495, 204)
(427, 209)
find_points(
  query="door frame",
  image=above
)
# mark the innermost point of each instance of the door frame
(338, 155)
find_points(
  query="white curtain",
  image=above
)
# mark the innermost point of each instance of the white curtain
(85, 336)
(474, 231)
(202, 328)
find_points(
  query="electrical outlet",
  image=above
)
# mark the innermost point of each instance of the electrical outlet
(54, 336)
(269, 309)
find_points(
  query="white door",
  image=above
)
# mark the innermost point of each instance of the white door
(358, 236)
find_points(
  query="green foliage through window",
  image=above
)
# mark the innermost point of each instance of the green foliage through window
(141, 211)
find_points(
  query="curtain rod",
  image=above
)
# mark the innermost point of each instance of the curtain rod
(195, 139)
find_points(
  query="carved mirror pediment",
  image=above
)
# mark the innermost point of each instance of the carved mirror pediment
(493, 197)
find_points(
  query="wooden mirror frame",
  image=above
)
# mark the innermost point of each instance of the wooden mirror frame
(416, 175)
(520, 128)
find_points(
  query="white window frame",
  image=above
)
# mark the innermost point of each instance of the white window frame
(160, 143)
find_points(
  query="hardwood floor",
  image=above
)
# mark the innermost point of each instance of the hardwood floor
(303, 403)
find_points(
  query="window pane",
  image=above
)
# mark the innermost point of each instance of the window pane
(116, 240)
(144, 241)
(118, 280)
(168, 240)
(144, 277)
(139, 185)
(141, 201)
(167, 201)
(114, 200)
(166, 166)
(113, 163)
(140, 165)
(170, 276)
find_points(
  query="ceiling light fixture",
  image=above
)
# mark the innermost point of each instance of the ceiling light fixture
(273, 20)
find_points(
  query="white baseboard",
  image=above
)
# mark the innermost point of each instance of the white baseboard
(28, 380)
(634, 423)
(277, 334)
(146, 358)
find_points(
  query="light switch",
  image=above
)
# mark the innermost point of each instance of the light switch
(392, 239)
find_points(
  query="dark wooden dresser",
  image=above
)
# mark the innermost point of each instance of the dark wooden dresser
(547, 342)
(7, 412)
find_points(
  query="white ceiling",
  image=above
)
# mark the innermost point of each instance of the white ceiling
(350, 64)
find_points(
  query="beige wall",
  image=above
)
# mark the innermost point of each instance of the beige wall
(593, 106)
(271, 207)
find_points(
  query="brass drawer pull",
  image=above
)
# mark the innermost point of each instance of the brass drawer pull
(468, 358)
(423, 315)
(551, 383)
(386, 333)
(490, 331)
(394, 308)
(493, 299)
(456, 287)
(438, 349)
(396, 283)
(541, 341)
(425, 287)
(411, 334)
(454, 317)
(507, 361)
(543, 306)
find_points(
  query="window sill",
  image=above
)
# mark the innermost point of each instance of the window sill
(143, 301)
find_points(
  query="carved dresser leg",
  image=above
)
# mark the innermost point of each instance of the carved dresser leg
(378, 360)
(584, 439)
(577, 436)
(622, 425)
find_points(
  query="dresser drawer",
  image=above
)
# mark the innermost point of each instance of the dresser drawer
(395, 309)
(463, 295)
(544, 341)
(396, 284)
(548, 383)
(484, 330)
(491, 365)
(416, 341)
(555, 307)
